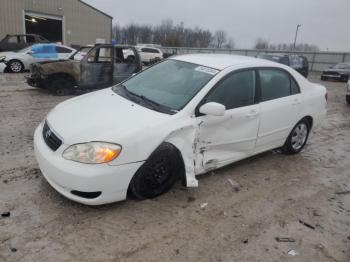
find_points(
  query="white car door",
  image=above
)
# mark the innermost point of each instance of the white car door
(225, 139)
(279, 108)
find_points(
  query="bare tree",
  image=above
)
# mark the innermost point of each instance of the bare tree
(220, 38)
(169, 34)
(230, 44)
(261, 44)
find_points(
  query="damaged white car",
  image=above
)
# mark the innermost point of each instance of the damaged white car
(178, 119)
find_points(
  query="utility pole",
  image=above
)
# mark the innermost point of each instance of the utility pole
(296, 35)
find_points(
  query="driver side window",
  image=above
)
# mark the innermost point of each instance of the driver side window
(235, 90)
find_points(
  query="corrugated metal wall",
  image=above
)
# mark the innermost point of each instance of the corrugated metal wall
(82, 24)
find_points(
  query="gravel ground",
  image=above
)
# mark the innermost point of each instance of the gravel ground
(272, 193)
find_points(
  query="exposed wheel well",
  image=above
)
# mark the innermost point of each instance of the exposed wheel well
(63, 75)
(178, 153)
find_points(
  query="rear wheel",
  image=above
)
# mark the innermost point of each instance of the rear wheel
(297, 138)
(15, 66)
(61, 86)
(158, 174)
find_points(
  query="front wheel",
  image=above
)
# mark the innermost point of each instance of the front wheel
(297, 138)
(15, 66)
(61, 86)
(344, 78)
(158, 174)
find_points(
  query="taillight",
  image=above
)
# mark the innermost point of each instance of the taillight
(326, 97)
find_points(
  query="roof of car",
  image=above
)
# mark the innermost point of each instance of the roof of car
(220, 61)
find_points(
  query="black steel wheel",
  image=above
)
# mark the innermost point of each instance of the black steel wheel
(61, 86)
(158, 174)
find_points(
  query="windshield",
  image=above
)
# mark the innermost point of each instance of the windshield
(79, 55)
(171, 84)
(342, 66)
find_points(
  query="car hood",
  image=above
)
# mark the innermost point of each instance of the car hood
(55, 61)
(101, 116)
(7, 54)
(337, 70)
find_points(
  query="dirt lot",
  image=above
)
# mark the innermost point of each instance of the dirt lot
(238, 224)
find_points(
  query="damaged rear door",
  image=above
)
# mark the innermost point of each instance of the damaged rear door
(225, 139)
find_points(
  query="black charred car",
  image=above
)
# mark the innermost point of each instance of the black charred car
(340, 72)
(17, 42)
(297, 62)
(90, 68)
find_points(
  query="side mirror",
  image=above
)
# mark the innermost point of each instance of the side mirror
(212, 109)
(30, 52)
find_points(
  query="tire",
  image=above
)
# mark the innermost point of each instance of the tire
(323, 78)
(348, 99)
(61, 86)
(344, 78)
(297, 138)
(158, 174)
(15, 66)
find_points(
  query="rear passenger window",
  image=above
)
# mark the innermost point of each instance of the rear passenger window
(63, 50)
(294, 87)
(274, 84)
(13, 40)
(30, 39)
(236, 90)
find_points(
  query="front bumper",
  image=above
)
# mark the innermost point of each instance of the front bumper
(66, 176)
(331, 76)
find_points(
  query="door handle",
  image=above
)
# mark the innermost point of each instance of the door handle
(252, 114)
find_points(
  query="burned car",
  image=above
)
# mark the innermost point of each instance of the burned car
(100, 67)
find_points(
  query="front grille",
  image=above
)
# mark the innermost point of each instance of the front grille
(332, 73)
(51, 140)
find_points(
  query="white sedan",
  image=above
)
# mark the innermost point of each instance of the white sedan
(149, 54)
(178, 119)
(19, 61)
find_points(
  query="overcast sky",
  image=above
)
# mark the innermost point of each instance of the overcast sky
(325, 23)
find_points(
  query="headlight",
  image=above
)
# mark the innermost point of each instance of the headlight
(2, 58)
(92, 152)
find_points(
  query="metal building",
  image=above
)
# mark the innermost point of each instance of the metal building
(72, 22)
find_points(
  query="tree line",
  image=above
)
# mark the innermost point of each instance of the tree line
(169, 34)
(264, 44)
(178, 35)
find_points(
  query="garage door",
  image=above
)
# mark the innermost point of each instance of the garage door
(50, 27)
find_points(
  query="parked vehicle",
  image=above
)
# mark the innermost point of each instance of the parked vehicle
(297, 62)
(348, 92)
(339, 72)
(21, 60)
(102, 66)
(149, 55)
(17, 42)
(177, 119)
